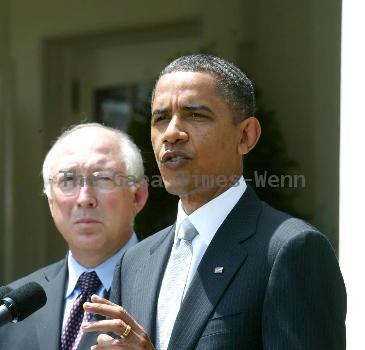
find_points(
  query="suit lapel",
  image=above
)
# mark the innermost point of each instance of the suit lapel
(143, 304)
(50, 317)
(227, 249)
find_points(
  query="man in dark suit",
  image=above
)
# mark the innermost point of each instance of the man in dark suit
(93, 205)
(232, 272)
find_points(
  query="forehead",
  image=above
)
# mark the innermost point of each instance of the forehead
(87, 148)
(187, 85)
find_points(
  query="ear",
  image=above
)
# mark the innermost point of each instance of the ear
(250, 131)
(50, 204)
(140, 196)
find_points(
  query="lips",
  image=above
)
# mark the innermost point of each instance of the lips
(175, 159)
(86, 221)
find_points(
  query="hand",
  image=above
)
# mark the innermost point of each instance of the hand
(117, 324)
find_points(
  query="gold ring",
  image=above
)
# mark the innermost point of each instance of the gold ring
(127, 330)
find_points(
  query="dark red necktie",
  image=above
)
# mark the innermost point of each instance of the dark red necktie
(89, 283)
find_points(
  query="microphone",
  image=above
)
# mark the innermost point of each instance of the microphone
(22, 302)
(4, 290)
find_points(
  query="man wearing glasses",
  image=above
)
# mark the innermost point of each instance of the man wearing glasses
(94, 181)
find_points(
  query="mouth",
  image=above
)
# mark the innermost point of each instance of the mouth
(174, 159)
(86, 221)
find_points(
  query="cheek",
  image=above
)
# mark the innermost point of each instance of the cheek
(209, 146)
(61, 209)
(156, 140)
(118, 205)
(215, 153)
(226, 144)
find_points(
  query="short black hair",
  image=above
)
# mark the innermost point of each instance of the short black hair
(234, 85)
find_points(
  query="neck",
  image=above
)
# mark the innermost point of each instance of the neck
(194, 200)
(91, 259)
(89, 262)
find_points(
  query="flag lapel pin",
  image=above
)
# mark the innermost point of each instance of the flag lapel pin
(218, 269)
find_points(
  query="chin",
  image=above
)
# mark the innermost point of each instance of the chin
(181, 191)
(89, 240)
(179, 182)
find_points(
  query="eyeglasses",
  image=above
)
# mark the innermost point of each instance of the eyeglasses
(68, 183)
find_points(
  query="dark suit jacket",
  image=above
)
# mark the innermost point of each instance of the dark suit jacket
(281, 286)
(42, 330)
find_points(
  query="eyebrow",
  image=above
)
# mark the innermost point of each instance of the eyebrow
(188, 107)
(159, 111)
(196, 107)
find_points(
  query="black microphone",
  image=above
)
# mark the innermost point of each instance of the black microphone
(22, 302)
(4, 290)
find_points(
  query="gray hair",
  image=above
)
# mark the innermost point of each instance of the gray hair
(130, 153)
(234, 85)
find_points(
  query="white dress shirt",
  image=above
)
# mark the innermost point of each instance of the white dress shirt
(207, 219)
(104, 271)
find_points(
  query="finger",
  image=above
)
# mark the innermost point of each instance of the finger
(116, 326)
(98, 299)
(109, 345)
(107, 310)
(113, 311)
(105, 341)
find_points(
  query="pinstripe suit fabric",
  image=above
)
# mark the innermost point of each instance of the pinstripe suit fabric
(281, 287)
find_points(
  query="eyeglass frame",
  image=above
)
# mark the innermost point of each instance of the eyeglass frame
(83, 180)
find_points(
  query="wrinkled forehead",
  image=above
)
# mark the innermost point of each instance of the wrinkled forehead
(88, 149)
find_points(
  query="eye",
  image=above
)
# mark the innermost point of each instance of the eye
(69, 178)
(102, 176)
(196, 116)
(157, 118)
(66, 180)
(103, 180)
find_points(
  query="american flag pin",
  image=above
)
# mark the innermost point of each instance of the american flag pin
(218, 269)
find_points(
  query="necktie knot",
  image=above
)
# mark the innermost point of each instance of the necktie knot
(89, 282)
(187, 231)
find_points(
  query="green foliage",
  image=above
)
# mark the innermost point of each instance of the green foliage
(270, 158)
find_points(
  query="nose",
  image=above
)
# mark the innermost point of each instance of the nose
(87, 197)
(175, 131)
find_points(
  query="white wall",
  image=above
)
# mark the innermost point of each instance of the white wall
(352, 190)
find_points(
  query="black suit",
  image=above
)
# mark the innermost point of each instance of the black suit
(42, 330)
(281, 286)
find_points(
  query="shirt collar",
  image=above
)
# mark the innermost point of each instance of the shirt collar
(208, 218)
(104, 271)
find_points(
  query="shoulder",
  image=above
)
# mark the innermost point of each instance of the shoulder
(275, 230)
(267, 222)
(41, 275)
(287, 233)
(282, 225)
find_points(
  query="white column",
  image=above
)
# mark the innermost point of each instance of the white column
(352, 168)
